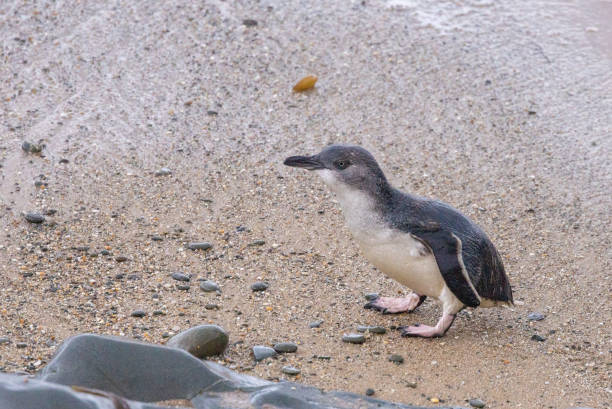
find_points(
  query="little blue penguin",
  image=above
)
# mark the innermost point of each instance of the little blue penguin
(424, 244)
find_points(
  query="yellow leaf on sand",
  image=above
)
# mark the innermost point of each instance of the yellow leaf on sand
(305, 83)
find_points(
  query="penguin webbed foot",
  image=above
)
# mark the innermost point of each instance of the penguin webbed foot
(425, 331)
(396, 305)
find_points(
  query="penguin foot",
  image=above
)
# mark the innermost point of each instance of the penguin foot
(391, 305)
(425, 331)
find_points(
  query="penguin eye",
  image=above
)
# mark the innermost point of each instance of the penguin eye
(342, 164)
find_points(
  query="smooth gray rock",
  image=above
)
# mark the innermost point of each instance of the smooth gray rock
(290, 370)
(285, 347)
(163, 172)
(209, 286)
(315, 324)
(35, 218)
(178, 276)
(535, 316)
(477, 403)
(353, 338)
(259, 286)
(199, 246)
(261, 352)
(201, 341)
(396, 359)
(371, 296)
(375, 329)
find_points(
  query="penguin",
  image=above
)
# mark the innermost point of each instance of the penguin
(424, 244)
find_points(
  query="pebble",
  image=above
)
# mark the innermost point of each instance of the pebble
(373, 329)
(31, 147)
(290, 370)
(261, 352)
(536, 337)
(180, 277)
(163, 172)
(257, 243)
(211, 306)
(201, 341)
(157, 238)
(4, 340)
(353, 338)
(259, 286)
(34, 217)
(199, 246)
(209, 286)
(477, 403)
(396, 359)
(285, 347)
(371, 296)
(138, 313)
(21, 345)
(412, 385)
(183, 287)
(369, 392)
(249, 22)
(536, 316)
(27, 274)
(120, 259)
(315, 324)
(105, 252)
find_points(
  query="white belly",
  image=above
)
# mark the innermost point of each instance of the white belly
(402, 258)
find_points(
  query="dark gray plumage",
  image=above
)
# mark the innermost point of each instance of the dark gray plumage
(387, 219)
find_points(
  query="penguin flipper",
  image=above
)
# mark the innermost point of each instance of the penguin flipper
(447, 250)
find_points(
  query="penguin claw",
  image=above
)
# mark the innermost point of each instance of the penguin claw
(390, 305)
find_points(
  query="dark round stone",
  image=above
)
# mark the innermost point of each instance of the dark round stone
(285, 347)
(353, 338)
(261, 352)
(138, 313)
(396, 359)
(371, 296)
(290, 370)
(536, 316)
(369, 392)
(536, 337)
(180, 277)
(34, 217)
(259, 286)
(477, 403)
(209, 286)
(199, 246)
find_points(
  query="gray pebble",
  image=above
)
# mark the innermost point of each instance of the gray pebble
(371, 296)
(257, 243)
(183, 287)
(259, 286)
(120, 259)
(261, 352)
(535, 316)
(27, 274)
(353, 338)
(249, 22)
(412, 385)
(31, 147)
(290, 370)
(369, 392)
(536, 337)
(180, 277)
(4, 340)
(138, 313)
(396, 359)
(158, 312)
(34, 217)
(315, 324)
(21, 345)
(477, 403)
(199, 246)
(157, 238)
(209, 286)
(373, 329)
(285, 347)
(211, 306)
(201, 341)
(163, 172)
(105, 252)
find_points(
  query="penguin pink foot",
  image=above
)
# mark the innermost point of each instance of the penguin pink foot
(425, 331)
(391, 305)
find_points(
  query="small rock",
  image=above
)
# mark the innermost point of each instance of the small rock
(536, 337)
(259, 286)
(369, 392)
(34, 217)
(120, 259)
(211, 306)
(158, 312)
(212, 113)
(412, 385)
(396, 359)
(261, 352)
(27, 274)
(201, 341)
(209, 286)
(21, 345)
(105, 252)
(163, 172)
(257, 243)
(157, 238)
(285, 347)
(290, 370)
(535, 316)
(63, 161)
(371, 296)
(373, 329)
(4, 340)
(180, 276)
(315, 324)
(249, 22)
(199, 246)
(31, 147)
(183, 287)
(138, 313)
(353, 338)
(477, 403)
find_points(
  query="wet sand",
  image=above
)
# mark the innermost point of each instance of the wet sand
(502, 110)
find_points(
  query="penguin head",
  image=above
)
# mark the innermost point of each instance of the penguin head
(344, 168)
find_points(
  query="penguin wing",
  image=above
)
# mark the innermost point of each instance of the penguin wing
(447, 249)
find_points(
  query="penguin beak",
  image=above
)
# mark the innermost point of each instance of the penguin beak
(306, 162)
